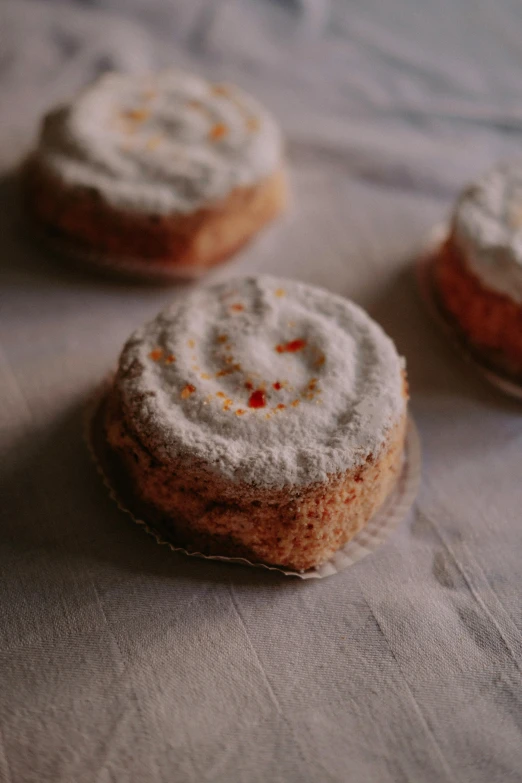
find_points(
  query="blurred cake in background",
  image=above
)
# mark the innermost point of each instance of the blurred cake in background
(156, 172)
(478, 269)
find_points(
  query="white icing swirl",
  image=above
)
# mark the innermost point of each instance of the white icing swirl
(487, 226)
(331, 381)
(164, 143)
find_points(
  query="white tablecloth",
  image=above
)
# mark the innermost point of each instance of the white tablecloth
(120, 661)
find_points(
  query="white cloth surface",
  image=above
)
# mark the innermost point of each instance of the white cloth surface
(120, 661)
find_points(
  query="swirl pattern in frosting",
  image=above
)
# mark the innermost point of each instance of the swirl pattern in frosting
(164, 143)
(487, 226)
(268, 382)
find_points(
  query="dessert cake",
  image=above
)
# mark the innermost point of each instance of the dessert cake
(164, 170)
(260, 418)
(478, 270)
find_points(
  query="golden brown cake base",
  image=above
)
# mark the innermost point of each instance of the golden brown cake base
(80, 218)
(490, 322)
(297, 528)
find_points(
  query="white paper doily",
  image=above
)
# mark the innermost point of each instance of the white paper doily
(137, 269)
(376, 531)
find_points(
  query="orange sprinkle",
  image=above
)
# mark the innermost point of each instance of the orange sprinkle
(156, 354)
(253, 124)
(221, 394)
(222, 338)
(227, 404)
(154, 142)
(187, 391)
(170, 358)
(191, 343)
(195, 104)
(220, 89)
(281, 407)
(292, 347)
(237, 307)
(321, 360)
(205, 376)
(218, 131)
(136, 115)
(280, 292)
(240, 412)
(295, 403)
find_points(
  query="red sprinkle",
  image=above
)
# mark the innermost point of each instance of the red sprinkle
(257, 399)
(291, 347)
(237, 307)
(187, 391)
(249, 385)
(277, 386)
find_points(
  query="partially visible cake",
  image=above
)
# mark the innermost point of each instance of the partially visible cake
(478, 271)
(261, 418)
(159, 169)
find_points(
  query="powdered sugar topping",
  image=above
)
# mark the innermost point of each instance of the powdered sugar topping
(268, 381)
(164, 143)
(488, 227)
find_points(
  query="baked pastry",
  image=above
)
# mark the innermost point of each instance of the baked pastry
(259, 418)
(161, 171)
(478, 270)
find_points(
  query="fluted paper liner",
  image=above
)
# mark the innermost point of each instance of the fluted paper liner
(376, 531)
(138, 269)
(444, 321)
